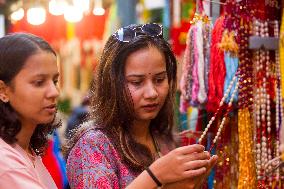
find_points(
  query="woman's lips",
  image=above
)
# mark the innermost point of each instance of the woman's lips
(50, 109)
(150, 107)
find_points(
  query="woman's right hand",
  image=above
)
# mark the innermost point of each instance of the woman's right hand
(196, 182)
(181, 163)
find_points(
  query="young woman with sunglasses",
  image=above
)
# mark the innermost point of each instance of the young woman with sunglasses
(28, 95)
(129, 143)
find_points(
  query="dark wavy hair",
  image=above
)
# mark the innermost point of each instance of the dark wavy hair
(112, 108)
(15, 49)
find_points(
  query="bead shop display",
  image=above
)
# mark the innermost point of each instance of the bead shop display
(252, 95)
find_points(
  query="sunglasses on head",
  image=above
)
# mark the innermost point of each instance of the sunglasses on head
(127, 34)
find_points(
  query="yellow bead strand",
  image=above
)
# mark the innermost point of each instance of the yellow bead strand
(247, 171)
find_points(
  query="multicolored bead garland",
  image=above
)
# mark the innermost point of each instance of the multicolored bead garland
(256, 79)
(247, 173)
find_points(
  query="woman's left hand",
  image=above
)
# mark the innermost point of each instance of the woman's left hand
(212, 163)
(193, 183)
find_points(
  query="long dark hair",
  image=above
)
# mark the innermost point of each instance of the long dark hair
(112, 107)
(15, 49)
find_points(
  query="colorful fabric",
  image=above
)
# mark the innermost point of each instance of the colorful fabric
(54, 162)
(186, 75)
(217, 70)
(94, 163)
(195, 84)
(231, 68)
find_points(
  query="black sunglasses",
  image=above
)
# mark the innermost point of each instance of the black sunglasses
(127, 34)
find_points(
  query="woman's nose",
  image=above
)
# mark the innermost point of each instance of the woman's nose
(151, 91)
(53, 91)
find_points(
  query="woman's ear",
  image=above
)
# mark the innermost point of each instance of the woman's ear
(3, 92)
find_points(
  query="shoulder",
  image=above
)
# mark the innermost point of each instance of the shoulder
(92, 161)
(93, 137)
(92, 142)
(88, 134)
(10, 158)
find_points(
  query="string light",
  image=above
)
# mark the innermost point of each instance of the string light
(83, 5)
(17, 11)
(98, 8)
(73, 14)
(36, 15)
(73, 11)
(56, 7)
(18, 14)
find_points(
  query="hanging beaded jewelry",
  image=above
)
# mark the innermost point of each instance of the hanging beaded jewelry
(279, 109)
(257, 105)
(225, 116)
(267, 152)
(263, 103)
(262, 106)
(268, 107)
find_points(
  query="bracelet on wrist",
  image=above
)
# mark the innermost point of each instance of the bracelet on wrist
(155, 179)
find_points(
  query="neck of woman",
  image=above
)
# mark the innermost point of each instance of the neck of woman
(141, 131)
(24, 136)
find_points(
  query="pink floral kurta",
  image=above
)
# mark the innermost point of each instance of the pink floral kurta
(94, 163)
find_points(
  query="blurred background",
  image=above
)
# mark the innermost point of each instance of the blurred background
(77, 29)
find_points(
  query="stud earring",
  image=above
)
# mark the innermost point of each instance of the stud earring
(5, 100)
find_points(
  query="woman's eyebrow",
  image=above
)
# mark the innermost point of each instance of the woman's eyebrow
(161, 73)
(142, 75)
(135, 75)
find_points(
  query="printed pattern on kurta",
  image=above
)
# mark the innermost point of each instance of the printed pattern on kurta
(94, 163)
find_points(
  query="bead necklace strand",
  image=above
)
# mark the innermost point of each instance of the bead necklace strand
(257, 108)
(216, 113)
(268, 75)
(224, 117)
(265, 149)
(264, 136)
(279, 109)
(262, 108)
